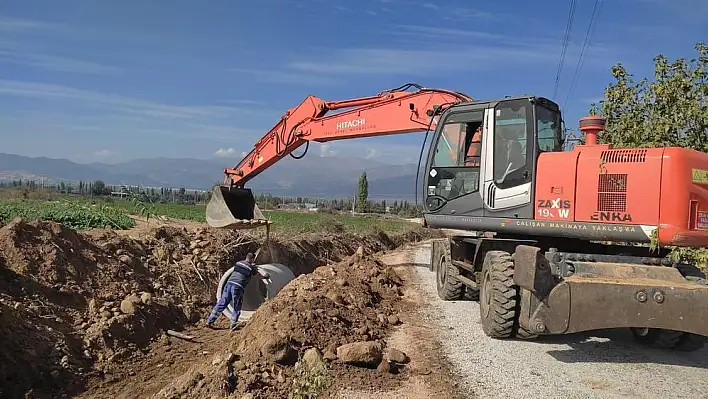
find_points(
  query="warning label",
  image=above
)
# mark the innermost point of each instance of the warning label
(702, 222)
(700, 176)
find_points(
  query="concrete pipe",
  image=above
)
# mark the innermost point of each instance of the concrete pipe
(257, 290)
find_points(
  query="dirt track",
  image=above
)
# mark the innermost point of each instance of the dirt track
(603, 364)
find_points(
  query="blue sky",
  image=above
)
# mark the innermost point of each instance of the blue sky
(115, 80)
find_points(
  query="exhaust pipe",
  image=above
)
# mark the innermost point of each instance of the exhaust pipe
(234, 208)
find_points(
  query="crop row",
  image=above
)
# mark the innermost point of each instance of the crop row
(71, 214)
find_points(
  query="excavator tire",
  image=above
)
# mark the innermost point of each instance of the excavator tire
(657, 337)
(498, 295)
(471, 294)
(449, 287)
(691, 342)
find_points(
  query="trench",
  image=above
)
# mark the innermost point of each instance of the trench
(71, 289)
(287, 260)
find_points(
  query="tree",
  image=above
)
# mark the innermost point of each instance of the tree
(362, 193)
(671, 110)
(98, 187)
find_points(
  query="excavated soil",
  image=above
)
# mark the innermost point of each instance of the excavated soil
(85, 313)
(352, 302)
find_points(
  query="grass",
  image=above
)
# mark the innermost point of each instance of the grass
(284, 222)
(85, 213)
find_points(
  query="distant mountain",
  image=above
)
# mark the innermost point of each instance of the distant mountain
(312, 175)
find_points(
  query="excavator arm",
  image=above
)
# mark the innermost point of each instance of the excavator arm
(390, 112)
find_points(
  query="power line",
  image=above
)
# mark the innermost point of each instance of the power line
(588, 37)
(564, 45)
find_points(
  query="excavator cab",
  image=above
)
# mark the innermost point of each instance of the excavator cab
(234, 208)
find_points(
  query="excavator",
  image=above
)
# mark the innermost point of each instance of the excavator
(549, 241)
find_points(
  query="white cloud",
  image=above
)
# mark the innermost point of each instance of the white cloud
(438, 33)
(435, 60)
(375, 149)
(56, 63)
(103, 154)
(9, 24)
(286, 77)
(326, 150)
(225, 153)
(114, 102)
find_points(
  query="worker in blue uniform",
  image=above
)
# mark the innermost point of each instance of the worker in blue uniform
(233, 290)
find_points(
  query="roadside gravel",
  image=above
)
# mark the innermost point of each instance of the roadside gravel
(601, 364)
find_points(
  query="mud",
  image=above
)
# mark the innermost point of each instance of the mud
(80, 311)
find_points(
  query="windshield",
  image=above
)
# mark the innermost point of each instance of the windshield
(549, 129)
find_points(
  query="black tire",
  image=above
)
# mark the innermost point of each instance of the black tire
(449, 287)
(434, 254)
(691, 342)
(657, 337)
(498, 295)
(522, 333)
(471, 294)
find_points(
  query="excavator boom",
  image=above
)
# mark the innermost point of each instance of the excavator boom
(394, 111)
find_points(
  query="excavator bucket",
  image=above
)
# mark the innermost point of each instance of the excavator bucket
(233, 208)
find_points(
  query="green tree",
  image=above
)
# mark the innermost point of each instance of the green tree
(98, 187)
(362, 193)
(670, 110)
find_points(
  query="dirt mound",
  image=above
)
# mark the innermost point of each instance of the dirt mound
(77, 307)
(342, 310)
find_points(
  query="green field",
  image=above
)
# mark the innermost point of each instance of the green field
(83, 213)
(75, 214)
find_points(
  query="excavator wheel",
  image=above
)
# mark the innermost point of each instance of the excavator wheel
(449, 287)
(657, 337)
(498, 295)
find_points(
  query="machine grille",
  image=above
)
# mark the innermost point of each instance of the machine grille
(633, 155)
(612, 192)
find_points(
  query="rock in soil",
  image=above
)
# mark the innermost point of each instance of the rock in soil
(397, 356)
(361, 353)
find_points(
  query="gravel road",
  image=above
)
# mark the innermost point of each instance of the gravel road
(602, 364)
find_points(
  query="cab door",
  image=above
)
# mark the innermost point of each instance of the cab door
(453, 171)
(508, 159)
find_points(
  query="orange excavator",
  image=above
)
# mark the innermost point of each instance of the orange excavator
(548, 241)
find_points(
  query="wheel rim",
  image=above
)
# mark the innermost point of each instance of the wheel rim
(485, 296)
